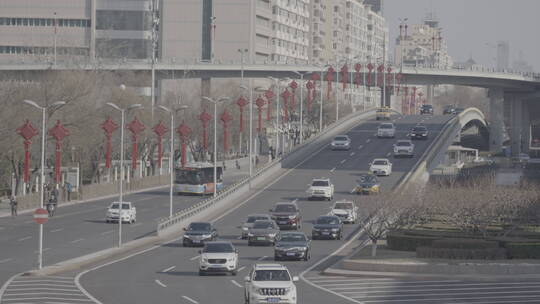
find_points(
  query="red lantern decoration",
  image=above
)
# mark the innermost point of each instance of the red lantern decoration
(370, 67)
(413, 100)
(241, 102)
(293, 86)
(269, 94)
(315, 77)
(204, 117)
(344, 75)
(286, 94)
(160, 130)
(183, 130)
(136, 127)
(59, 133)
(27, 131)
(329, 79)
(260, 103)
(420, 100)
(310, 90)
(389, 77)
(225, 118)
(109, 126)
(357, 77)
(398, 82)
(380, 76)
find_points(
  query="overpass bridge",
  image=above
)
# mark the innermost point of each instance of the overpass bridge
(513, 96)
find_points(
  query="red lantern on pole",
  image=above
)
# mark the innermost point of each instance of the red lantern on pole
(27, 131)
(389, 77)
(160, 130)
(136, 127)
(294, 86)
(225, 118)
(204, 117)
(109, 126)
(286, 94)
(344, 75)
(380, 76)
(329, 79)
(370, 67)
(413, 100)
(269, 95)
(398, 82)
(260, 103)
(183, 130)
(59, 133)
(357, 77)
(241, 103)
(420, 100)
(310, 90)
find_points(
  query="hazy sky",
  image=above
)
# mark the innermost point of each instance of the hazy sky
(473, 27)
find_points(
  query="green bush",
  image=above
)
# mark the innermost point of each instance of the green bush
(523, 250)
(453, 243)
(398, 241)
(461, 254)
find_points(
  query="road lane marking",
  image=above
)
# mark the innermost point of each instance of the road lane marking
(333, 169)
(241, 268)
(5, 260)
(352, 153)
(388, 154)
(360, 147)
(261, 258)
(194, 258)
(236, 284)
(76, 241)
(107, 232)
(28, 222)
(24, 238)
(368, 140)
(343, 161)
(471, 296)
(135, 225)
(160, 284)
(190, 299)
(56, 230)
(168, 269)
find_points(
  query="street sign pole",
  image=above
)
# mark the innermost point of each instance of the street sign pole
(41, 216)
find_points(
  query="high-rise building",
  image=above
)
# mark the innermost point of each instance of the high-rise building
(376, 5)
(503, 55)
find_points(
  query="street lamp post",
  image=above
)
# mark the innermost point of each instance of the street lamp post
(250, 127)
(121, 195)
(301, 104)
(242, 53)
(42, 186)
(215, 102)
(278, 86)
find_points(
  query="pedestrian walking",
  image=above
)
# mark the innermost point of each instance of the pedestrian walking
(13, 204)
(69, 189)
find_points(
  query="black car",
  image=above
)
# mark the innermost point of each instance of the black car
(197, 233)
(426, 109)
(449, 109)
(292, 245)
(287, 216)
(458, 110)
(263, 232)
(327, 227)
(419, 132)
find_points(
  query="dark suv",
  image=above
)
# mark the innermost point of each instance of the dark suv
(449, 109)
(419, 132)
(426, 109)
(287, 216)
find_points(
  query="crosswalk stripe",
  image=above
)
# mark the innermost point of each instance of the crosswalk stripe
(445, 287)
(401, 296)
(428, 290)
(511, 298)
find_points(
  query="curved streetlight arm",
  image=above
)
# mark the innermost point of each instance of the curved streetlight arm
(114, 106)
(135, 106)
(32, 103)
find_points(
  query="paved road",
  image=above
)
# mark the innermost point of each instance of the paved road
(80, 229)
(168, 274)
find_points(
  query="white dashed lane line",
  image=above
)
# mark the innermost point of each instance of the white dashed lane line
(333, 169)
(360, 147)
(194, 258)
(343, 161)
(76, 241)
(352, 153)
(57, 230)
(262, 258)
(160, 284)
(107, 232)
(24, 238)
(388, 154)
(236, 284)
(368, 140)
(241, 268)
(190, 299)
(168, 269)
(5, 260)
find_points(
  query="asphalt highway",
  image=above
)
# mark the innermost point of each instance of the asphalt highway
(169, 273)
(81, 229)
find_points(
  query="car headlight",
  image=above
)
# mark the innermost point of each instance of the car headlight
(205, 260)
(245, 228)
(272, 235)
(187, 236)
(280, 248)
(205, 236)
(230, 260)
(292, 217)
(301, 248)
(335, 229)
(316, 229)
(250, 234)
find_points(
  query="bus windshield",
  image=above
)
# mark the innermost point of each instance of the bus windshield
(197, 176)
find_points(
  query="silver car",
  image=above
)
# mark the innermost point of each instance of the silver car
(263, 233)
(341, 142)
(248, 222)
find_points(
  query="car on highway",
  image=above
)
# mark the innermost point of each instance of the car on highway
(128, 214)
(426, 109)
(250, 220)
(449, 109)
(346, 210)
(327, 227)
(321, 188)
(367, 184)
(459, 110)
(292, 245)
(263, 232)
(382, 113)
(380, 166)
(287, 215)
(270, 283)
(386, 129)
(218, 257)
(341, 142)
(404, 147)
(198, 233)
(419, 132)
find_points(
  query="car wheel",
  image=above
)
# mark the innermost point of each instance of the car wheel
(234, 272)
(185, 244)
(247, 299)
(107, 221)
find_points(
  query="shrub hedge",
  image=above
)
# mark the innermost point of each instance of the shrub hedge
(464, 244)
(398, 241)
(461, 254)
(523, 250)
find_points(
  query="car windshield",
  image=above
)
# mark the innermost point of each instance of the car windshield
(340, 138)
(403, 143)
(343, 206)
(419, 129)
(367, 179)
(286, 208)
(386, 126)
(293, 237)
(319, 183)
(427, 106)
(327, 220)
(252, 219)
(380, 162)
(218, 247)
(271, 275)
(199, 227)
(263, 225)
(124, 206)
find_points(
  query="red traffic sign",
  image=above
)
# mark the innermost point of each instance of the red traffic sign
(41, 216)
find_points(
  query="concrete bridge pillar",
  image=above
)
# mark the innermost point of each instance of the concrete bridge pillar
(496, 124)
(516, 125)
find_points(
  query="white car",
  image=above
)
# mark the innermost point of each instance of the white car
(341, 142)
(321, 188)
(380, 166)
(218, 257)
(386, 129)
(270, 283)
(404, 147)
(128, 213)
(345, 210)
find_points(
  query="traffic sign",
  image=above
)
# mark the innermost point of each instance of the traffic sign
(41, 216)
